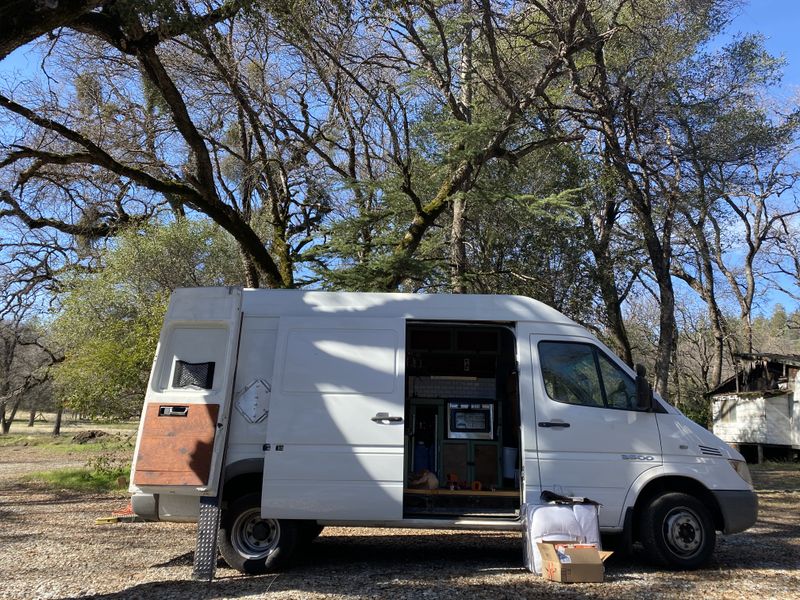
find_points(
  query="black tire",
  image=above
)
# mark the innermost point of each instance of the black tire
(254, 545)
(677, 531)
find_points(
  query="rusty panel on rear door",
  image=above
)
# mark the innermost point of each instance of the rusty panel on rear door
(176, 448)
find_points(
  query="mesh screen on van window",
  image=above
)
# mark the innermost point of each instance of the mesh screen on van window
(188, 374)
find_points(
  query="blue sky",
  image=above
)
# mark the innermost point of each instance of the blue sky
(779, 21)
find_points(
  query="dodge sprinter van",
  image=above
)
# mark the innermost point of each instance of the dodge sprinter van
(283, 412)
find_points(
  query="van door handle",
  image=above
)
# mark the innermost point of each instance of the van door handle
(384, 418)
(553, 424)
(173, 411)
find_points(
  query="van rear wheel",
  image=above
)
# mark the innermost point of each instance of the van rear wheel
(677, 531)
(254, 545)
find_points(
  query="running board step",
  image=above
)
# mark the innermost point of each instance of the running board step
(205, 550)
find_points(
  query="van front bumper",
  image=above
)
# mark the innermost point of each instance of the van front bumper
(739, 509)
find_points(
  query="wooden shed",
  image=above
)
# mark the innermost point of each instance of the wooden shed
(757, 410)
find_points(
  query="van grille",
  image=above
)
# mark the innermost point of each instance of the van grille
(710, 451)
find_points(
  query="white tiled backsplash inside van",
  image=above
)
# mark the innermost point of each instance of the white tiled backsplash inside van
(429, 387)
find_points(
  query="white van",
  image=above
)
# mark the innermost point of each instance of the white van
(293, 410)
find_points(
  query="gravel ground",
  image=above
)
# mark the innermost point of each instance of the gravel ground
(51, 548)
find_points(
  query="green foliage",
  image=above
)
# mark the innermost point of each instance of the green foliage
(107, 465)
(696, 407)
(105, 373)
(111, 318)
(64, 444)
(777, 332)
(84, 479)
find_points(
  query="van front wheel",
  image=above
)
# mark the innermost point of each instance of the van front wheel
(677, 531)
(254, 545)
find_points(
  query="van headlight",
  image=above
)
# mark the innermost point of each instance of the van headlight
(741, 468)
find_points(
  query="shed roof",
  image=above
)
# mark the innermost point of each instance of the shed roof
(784, 359)
(754, 358)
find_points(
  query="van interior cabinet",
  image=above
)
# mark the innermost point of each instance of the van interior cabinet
(471, 462)
(487, 462)
(455, 461)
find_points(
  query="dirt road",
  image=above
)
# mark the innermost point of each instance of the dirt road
(51, 548)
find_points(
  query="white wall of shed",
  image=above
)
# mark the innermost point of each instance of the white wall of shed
(759, 420)
(750, 426)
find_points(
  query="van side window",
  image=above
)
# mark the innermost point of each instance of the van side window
(570, 373)
(620, 389)
(577, 373)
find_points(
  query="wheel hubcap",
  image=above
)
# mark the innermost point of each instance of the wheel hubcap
(254, 537)
(683, 532)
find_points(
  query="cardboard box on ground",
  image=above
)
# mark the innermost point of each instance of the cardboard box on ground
(569, 522)
(572, 562)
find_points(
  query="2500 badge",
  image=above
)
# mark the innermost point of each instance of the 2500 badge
(638, 457)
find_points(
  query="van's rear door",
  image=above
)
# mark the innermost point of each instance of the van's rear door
(185, 417)
(334, 447)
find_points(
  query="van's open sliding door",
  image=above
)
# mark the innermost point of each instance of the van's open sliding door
(334, 447)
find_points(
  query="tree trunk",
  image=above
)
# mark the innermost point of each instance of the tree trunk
(5, 422)
(748, 329)
(706, 288)
(283, 256)
(659, 252)
(25, 21)
(32, 416)
(719, 347)
(677, 395)
(605, 277)
(11, 415)
(57, 424)
(458, 248)
(616, 324)
(458, 251)
(251, 278)
(666, 336)
(714, 313)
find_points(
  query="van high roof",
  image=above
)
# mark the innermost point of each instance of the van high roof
(449, 307)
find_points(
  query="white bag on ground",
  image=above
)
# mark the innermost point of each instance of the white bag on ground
(586, 515)
(557, 523)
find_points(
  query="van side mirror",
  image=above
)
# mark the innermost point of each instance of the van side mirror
(644, 393)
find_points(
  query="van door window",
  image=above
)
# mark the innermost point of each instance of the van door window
(570, 373)
(620, 389)
(576, 373)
